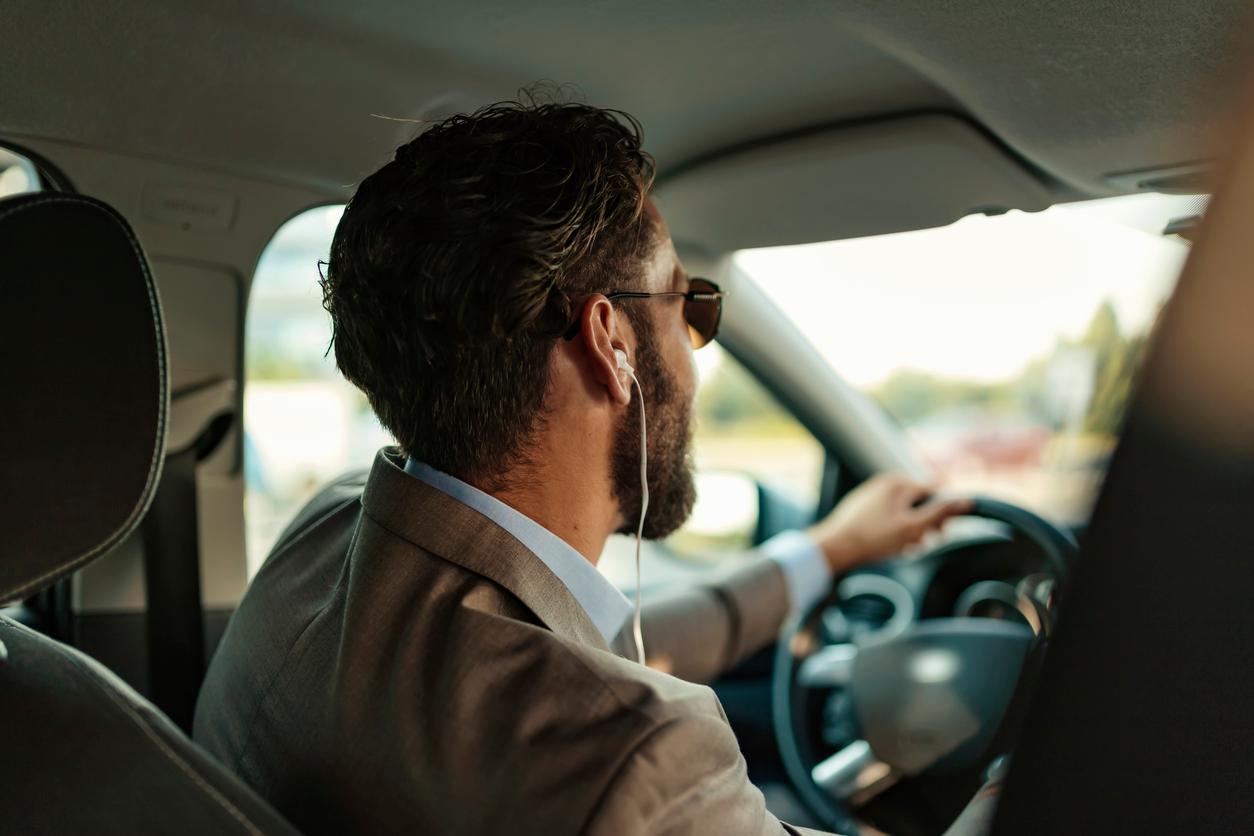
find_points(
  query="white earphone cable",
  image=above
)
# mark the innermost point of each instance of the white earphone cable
(644, 507)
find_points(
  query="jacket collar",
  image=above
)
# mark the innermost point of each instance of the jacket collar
(438, 523)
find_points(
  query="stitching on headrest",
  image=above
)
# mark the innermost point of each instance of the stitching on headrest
(158, 457)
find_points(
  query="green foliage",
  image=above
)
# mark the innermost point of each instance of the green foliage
(1114, 387)
(266, 363)
(911, 395)
(1117, 359)
(270, 359)
(732, 399)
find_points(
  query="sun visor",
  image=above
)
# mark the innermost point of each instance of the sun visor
(867, 179)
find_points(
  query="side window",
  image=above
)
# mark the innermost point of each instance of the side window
(745, 444)
(303, 423)
(17, 175)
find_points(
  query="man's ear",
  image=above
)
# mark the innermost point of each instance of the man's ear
(603, 331)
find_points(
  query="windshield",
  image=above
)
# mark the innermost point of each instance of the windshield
(1004, 346)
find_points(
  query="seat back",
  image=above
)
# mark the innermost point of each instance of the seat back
(83, 348)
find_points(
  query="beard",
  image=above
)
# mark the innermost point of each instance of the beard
(672, 490)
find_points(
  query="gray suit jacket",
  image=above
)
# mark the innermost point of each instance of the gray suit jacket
(402, 663)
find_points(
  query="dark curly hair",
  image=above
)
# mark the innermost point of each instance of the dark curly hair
(456, 264)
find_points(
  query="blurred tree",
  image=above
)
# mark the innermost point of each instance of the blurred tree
(1118, 359)
(1114, 389)
(910, 395)
(268, 362)
(730, 398)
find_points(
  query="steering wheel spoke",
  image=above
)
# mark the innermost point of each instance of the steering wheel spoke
(854, 775)
(830, 667)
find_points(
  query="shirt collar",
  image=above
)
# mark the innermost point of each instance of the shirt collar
(605, 605)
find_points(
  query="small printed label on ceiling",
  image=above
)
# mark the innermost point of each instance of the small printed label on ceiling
(189, 208)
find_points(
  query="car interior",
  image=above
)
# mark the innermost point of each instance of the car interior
(170, 175)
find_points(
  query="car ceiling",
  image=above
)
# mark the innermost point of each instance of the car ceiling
(319, 92)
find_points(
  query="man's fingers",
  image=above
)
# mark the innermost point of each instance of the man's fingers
(931, 516)
(918, 493)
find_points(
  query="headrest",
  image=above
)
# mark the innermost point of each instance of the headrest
(82, 345)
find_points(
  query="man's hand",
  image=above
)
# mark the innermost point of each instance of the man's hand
(879, 519)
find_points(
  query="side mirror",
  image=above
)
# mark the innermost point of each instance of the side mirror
(734, 513)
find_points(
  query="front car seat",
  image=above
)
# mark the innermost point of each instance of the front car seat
(82, 446)
(1142, 720)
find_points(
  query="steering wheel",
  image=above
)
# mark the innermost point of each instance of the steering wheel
(914, 697)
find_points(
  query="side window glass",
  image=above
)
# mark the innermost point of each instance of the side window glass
(17, 175)
(303, 423)
(744, 443)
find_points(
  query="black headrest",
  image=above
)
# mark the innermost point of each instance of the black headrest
(85, 391)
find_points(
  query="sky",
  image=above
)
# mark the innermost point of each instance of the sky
(982, 297)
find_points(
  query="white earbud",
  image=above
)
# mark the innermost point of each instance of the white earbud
(621, 357)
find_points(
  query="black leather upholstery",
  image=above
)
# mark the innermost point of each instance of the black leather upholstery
(84, 436)
(83, 753)
(85, 389)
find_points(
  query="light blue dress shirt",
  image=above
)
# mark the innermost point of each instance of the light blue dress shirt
(805, 569)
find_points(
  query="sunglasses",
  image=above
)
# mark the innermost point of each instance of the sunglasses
(703, 308)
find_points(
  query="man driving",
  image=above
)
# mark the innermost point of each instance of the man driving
(438, 652)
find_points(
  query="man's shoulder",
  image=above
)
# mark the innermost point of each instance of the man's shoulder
(670, 763)
(581, 724)
(650, 694)
(343, 492)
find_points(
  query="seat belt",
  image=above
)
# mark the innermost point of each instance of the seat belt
(175, 624)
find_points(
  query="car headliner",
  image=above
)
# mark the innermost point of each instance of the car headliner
(298, 92)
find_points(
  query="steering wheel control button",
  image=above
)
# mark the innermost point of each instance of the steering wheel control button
(852, 772)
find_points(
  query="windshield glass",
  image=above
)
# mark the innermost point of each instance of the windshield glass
(1004, 346)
